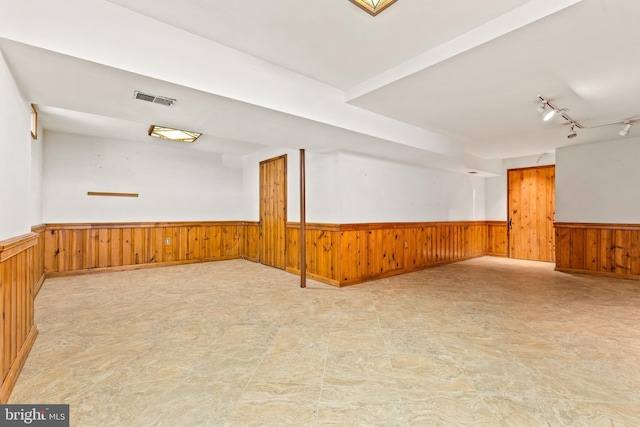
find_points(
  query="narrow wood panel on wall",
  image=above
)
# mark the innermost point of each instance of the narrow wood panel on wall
(250, 240)
(497, 238)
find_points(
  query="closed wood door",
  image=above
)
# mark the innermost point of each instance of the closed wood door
(531, 199)
(273, 211)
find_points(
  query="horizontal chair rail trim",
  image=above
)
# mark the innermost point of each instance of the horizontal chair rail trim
(38, 228)
(600, 226)
(98, 225)
(315, 226)
(15, 245)
(400, 225)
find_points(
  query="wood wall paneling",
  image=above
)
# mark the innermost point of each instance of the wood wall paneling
(497, 238)
(73, 248)
(609, 249)
(370, 251)
(21, 275)
(322, 251)
(250, 241)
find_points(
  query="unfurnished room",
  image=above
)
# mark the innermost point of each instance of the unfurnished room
(320, 213)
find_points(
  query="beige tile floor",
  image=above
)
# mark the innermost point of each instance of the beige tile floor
(483, 342)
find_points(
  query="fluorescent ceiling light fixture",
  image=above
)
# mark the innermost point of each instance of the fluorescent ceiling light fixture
(373, 7)
(173, 134)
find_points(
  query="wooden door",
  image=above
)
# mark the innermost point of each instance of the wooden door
(273, 211)
(531, 199)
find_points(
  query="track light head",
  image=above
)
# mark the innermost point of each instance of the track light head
(549, 115)
(572, 132)
(625, 130)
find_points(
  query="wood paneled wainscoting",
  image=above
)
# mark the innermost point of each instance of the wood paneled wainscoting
(607, 249)
(81, 248)
(21, 275)
(497, 241)
(346, 254)
(323, 251)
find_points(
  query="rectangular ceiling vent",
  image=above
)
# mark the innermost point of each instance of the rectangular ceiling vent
(162, 100)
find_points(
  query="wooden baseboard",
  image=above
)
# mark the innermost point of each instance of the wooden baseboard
(499, 255)
(14, 372)
(597, 273)
(38, 285)
(404, 271)
(135, 267)
(315, 277)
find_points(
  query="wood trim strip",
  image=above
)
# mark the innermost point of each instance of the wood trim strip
(102, 193)
(98, 225)
(596, 273)
(135, 266)
(16, 367)
(398, 272)
(316, 277)
(531, 168)
(600, 226)
(314, 226)
(38, 228)
(400, 225)
(11, 247)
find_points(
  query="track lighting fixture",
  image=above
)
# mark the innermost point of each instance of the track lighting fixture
(625, 130)
(543, 107)
(549, 110)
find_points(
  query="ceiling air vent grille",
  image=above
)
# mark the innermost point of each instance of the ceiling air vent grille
(162, 100)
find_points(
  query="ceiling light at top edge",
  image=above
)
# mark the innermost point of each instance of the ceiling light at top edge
(173, 134)
(373, 7)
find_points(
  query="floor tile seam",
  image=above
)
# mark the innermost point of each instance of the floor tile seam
(516, 396)
(388, 355)
(322, 385)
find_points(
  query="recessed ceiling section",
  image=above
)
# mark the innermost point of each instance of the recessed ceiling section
(293, 34)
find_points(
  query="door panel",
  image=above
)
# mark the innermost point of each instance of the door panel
(531, 198)
(273, 211)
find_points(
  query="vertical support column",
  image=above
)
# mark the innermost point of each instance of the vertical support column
(303, 223)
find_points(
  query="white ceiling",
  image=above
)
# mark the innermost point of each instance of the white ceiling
(450, 84)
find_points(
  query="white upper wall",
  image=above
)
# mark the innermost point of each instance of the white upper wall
(375, 190)
(599, 182)
(351, 188)
(174, 184)
(15, 158)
